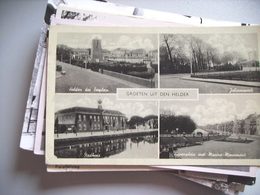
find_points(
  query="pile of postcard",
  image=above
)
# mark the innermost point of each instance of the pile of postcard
(119, 88)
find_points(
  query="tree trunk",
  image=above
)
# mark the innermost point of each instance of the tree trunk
(168, 48)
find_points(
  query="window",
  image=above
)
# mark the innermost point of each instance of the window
(84, 127)
(84, 117)
(95, 119)
(79, 117)
(80, 127)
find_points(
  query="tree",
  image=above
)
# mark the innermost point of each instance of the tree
(179, 124)
(135, 121)
(63, 53)
(166, 39)
(173, 57)
(204, 56)
(198, 50)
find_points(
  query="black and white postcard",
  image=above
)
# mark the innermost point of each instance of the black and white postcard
(153, 96)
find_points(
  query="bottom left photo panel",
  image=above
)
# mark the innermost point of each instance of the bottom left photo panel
(100, 126)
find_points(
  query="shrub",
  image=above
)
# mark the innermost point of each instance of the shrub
(168, 68)
(243, 76)
(227, 67)
(145, 75)
(59, 68)
(94, 67)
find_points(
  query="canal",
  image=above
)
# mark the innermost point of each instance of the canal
(222, 150)
(128, 147)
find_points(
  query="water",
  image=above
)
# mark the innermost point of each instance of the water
(135, 147)
(222, 150)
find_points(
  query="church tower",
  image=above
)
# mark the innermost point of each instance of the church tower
(100, 104)
(96, 54)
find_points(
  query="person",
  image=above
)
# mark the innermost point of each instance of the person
(74, 130)
(164, 153)
(171, 152)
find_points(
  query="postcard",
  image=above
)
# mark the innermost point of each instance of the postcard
(31, 112)
(153, 96)
(66, 14)
(40, 128)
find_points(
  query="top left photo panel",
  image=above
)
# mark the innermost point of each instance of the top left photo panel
(90, 62)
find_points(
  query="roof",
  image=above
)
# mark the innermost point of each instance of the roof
(112, 112)
(79, 109)
(253, 116)
(90, 110)
(201, 131)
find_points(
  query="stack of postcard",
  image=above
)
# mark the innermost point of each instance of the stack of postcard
(119, 88)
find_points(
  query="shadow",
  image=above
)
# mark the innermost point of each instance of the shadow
(34, 166)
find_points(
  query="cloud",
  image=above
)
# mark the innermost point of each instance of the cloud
(212, 110)
(109, 41)
(251, 107)
(240, 43)
(176, 109)
(215, 110)
(137, 108)
(133, 42)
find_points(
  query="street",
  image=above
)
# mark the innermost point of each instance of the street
(82, 80)
(176, 81)
(213, 149)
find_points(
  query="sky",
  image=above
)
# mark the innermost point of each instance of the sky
(212, 109)
(109, 41)
(129, 108)
(241, 43)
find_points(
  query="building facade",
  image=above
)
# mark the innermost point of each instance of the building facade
(80, 54)
(83, 119)
(250, 126)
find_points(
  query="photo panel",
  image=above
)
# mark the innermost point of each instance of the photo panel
(103, 62)
(212, 61)
(100, 126)
(214, 127)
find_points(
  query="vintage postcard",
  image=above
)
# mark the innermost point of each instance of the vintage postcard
(39, 146)
(107, 103)
(245, 171)
(224, 187)
(101, 168)
(69, 15)
(31, 112)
